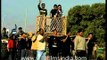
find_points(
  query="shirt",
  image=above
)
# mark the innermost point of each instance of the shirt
(10, 44)
(53, 12)
(22, 44)
(40, 45)
(53, 42)
(42, 11)
(79, 43)
(33, 46)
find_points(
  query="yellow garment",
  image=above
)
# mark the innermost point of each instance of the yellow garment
(33, 47)
(40, 45)
(37, 45)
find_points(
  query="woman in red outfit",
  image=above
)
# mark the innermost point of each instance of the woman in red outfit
(12, 47)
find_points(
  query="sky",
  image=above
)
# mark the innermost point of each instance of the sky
(18, 11)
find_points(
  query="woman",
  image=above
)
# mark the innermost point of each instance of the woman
(59, 19)
(59, 11)
(90, 45)
(12, 47)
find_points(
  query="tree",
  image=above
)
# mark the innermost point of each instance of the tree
(90, 18)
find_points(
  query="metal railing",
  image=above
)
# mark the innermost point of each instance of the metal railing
(48, 24)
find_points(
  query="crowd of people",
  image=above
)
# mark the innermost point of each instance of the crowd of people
(41, 46)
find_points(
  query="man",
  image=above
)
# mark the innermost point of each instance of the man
(28, 45)
(41, 45)
(53, 44)
(43, 13)
(4, 34)
(20, 31)
(22, 46)
(53, 14)
(66, 45)
(42, 9)
(53, 11)
(80, 44)
(33, 46)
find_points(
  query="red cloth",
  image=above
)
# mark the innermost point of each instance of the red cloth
(10, 44)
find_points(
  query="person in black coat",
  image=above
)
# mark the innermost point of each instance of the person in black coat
(53, 43)
(22, 46)
(90, 45)
(66, 45)
(28, 46)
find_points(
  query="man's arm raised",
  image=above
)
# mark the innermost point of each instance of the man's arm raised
(39, 5)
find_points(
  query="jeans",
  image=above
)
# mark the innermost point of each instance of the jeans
(28, 53)
(41, 55)
(23, 53)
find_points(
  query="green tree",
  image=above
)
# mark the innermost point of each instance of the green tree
(91, 18)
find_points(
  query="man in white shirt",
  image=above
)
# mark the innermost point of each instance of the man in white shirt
(80, 44)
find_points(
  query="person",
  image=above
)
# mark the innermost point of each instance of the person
(53, 12)
(40, 45)
(11, 46)
(20, 31)
(72, 47)
(53, 44)
(59, 18)
(22, 46)
(43, 14)
(33, 46)
(14, 30)
(42, 9)
(59, 11)
(28, 45)
(80, 44)
(90, 45)
(4, 33)
(66, 45)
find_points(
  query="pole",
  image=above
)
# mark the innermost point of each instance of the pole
(25, 19)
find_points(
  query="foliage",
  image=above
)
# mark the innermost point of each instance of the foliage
(90, 19)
